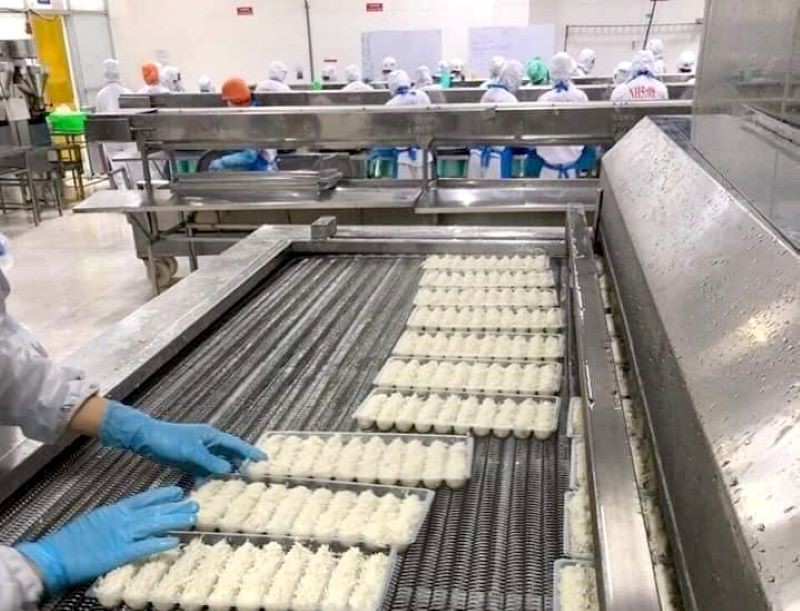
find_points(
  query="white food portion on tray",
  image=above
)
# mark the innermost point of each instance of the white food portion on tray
(514, 378)
(462, 414)
(479, 297)
(248, 577)
(487, 262)
(579, 520)
(479, 346)
(576, 426)
(366, 458)
(576, 588)
(489, 279)
(485, 319)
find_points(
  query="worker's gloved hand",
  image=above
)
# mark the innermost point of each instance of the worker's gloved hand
(199, 449)
(216, 165)
(110, 536)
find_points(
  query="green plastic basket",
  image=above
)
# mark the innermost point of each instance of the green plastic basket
(72, 122)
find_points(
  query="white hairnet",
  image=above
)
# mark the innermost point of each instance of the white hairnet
(277, 71)
(423, 77)
(204, 84)
(389, 64)
(561, 67)
(398, 79)
(443, 66)
(352, 73)
(656, 47)
(457, 65)
(621, 72)
(643, 61)
(686, 61)
(170, 75)
(511, 75)
(329, 72)
(111, 70)
(586, 59)
(496, 66)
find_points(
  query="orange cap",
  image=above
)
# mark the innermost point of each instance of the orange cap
(150, 74)
(236, 91)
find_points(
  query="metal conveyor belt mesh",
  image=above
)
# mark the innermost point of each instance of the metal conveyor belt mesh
(299, 353)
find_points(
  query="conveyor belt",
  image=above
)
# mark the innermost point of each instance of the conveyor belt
(300, 353)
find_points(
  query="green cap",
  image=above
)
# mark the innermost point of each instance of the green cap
(537, 71)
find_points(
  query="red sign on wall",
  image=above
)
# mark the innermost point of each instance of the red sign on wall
(244, 11)
(374, 7)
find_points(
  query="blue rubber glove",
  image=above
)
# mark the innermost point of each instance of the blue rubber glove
(216, 165)
(199, 449)
(110, 536)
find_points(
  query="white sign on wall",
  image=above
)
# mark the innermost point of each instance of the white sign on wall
(512, 42)
(411, 49)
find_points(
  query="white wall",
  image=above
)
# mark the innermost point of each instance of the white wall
(207, 37)
(612, 47)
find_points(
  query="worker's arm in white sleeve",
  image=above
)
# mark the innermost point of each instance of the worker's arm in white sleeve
(36, 394)
(20, 584)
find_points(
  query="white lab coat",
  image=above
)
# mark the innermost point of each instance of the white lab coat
(108, 101)
(273, 86)
(357, 86)
(153, 89)
(640, 88)
(560, 155)
(408, 168)
(39, 396)
(476, 169)
(660, 67)
(108, 97)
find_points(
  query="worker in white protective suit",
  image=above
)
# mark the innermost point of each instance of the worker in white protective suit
(496, 161)
(352, 75)
(47, 401)
(641, 84)
(276, 78)
(423, 79)
(686, 62)
(585, 63)
(495, 67)
(458, 70)
(205, 85)
(171, 79)
(152, 80)
(656, 47)
(329, 73)
(388, 66)
(410, 159)
(560, 161)
(108, 96)
(621, 73)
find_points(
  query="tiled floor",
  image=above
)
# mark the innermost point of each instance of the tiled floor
(72, 277)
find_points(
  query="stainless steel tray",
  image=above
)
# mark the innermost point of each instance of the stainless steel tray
(481, 431)
(425, 495)
(483, 359)
(286, 543)
(387, 437)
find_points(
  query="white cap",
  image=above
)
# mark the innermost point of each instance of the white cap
(398, 79)
(687, 61)
(621, 72)
(643, 61)
(457, 65)
(561, 66)
(496, 65)
(586, 59)
(111, 69)
(277, 71)
(352, 73)
(389, 64)
(204, 84)
(656, 47)
(511, 75)
(423, 77)
(329, 72)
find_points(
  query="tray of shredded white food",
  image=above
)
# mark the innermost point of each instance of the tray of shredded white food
(574, 586)
(577, 465)
(387, 458)
(500, 319)
(487, 262)
(489, 279)
(479, 297)
(345, 512)
(575, 418)
(463, 413)
(510, 379)
(578, 530)
(492, 347)
(249, 573)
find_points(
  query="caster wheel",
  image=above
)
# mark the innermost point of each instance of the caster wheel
(163, 273)
(173, 265)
